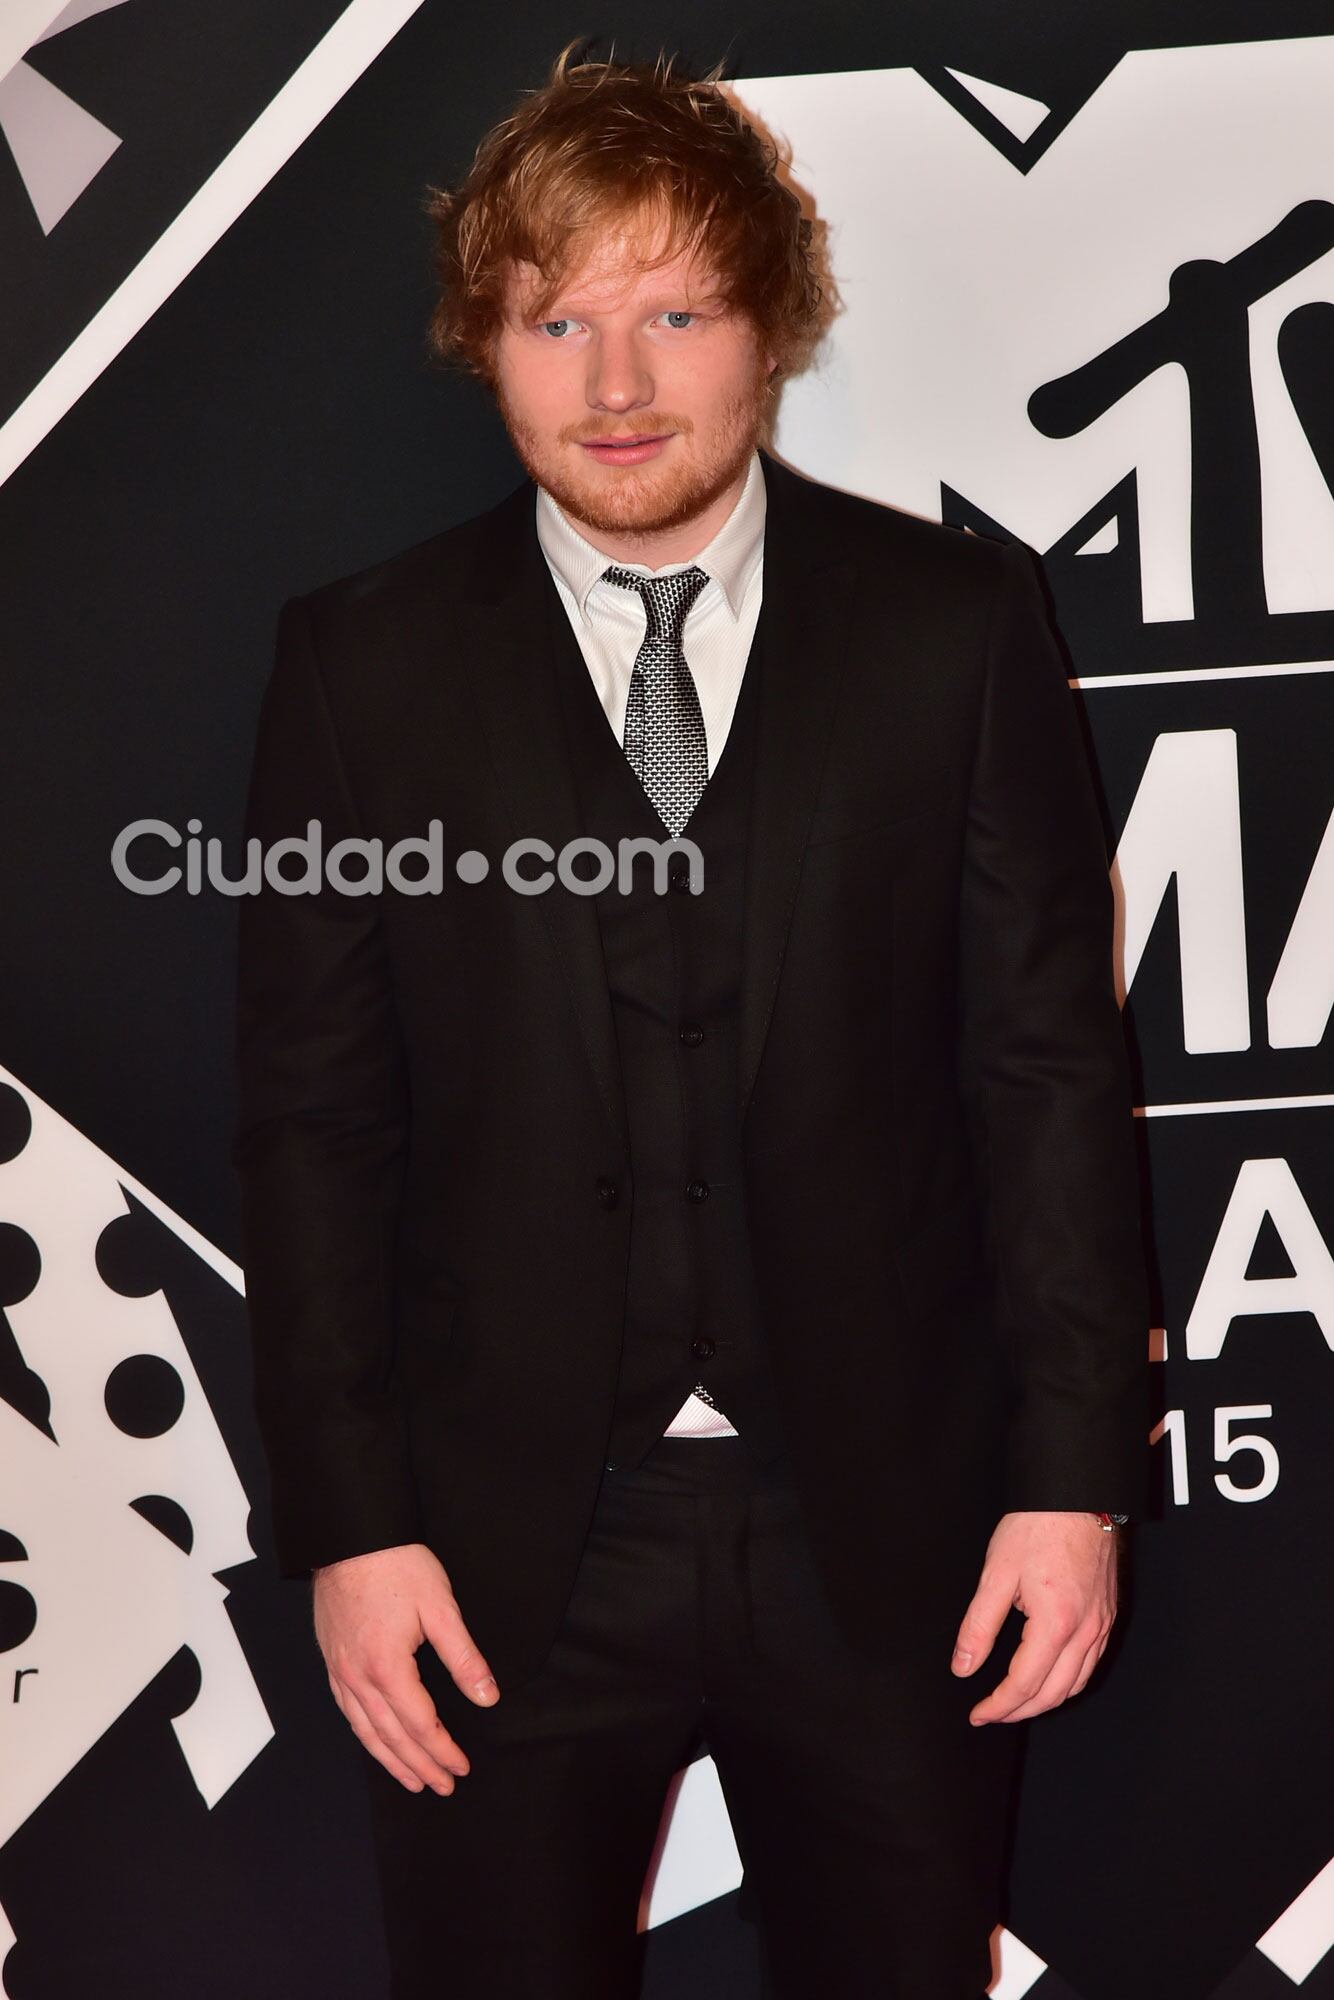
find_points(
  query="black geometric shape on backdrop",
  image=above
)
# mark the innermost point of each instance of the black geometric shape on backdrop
(1082, 69)
(144, 1395)
(1306, 357)
(137, 1254)
(18, 1608)
(177, 86)
(180, 1681)
(128, 1254)
(1269, 1257)
(1101, 597)
(958, 511)
(1051, 1986)
(1097, 598)
(20, 1386)
(1258, 1978)
(1203, 326)
(15, 1123)
(20, 1264)
(168, 1517)
(18, 1615)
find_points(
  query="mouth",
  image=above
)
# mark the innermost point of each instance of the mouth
(626, 451)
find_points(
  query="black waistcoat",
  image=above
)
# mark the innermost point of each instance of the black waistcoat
(673, 963)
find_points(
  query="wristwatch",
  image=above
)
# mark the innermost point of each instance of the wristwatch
(1109, 1523)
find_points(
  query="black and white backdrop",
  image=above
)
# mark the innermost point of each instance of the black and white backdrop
(1088, 265)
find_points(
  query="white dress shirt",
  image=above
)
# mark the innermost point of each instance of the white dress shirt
(609, 623)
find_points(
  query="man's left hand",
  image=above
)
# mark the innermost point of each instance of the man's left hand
(1060, 1569)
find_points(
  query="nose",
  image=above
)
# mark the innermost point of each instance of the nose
(619, 377)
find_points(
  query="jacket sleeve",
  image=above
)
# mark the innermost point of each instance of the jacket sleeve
(320, 1143)
(1046, 1081)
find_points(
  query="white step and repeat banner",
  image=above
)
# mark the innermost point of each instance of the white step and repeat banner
(1088, 275)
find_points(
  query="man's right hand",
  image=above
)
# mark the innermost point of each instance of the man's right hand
(372, 1612)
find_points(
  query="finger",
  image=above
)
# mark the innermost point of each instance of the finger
(1055, 1688)
(1091, 1659)
(444, 1627)
(417, 1713)
(393, 1677)
(1039, 1648)
(355, 1715)
(395, 1737)
(980, 1624)
(1071, 1670)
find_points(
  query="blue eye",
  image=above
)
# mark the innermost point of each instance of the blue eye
(546, 324)
(681, 314)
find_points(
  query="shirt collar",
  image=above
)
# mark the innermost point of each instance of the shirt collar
(730, 558)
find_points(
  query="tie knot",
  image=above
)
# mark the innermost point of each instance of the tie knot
(667, 599)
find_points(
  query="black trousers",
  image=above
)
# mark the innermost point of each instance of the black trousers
(870, 1816)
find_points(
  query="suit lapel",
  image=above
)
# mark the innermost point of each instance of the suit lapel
(506, 646)
(504, 635)
(803, 628)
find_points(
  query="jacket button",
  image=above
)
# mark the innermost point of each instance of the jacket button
(607, 1191)
(679, 877)
(697, 1190)
(703, 1349)
(691, 1035)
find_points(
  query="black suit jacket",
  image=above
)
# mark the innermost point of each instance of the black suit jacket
(933, 1083)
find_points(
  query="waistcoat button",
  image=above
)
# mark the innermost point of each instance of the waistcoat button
(691, 1035)
(607, 1191)
(697, 1190)
(703, 1349)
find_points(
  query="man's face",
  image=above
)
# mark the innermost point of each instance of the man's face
(621, 352)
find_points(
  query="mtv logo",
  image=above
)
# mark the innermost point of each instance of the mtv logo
(1108, 336)
(119, 1502)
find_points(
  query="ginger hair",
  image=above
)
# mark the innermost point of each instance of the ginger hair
(607, 144)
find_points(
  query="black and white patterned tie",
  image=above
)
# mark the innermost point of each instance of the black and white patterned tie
(664, 724)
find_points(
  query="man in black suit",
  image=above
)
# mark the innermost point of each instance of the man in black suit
(700, 1298)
